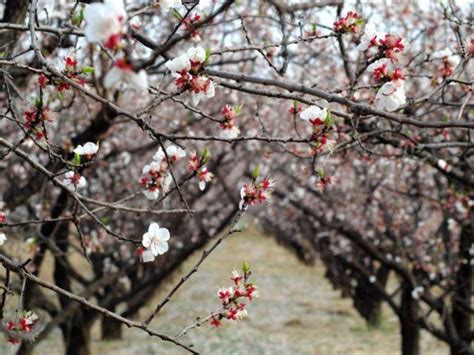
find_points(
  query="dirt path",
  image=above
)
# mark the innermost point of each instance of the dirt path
(297, 313)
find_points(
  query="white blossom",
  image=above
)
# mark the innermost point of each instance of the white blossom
(148, 256)
(443, 165)
(87, 149)
(391, 96)
(379, 63)
(104, 20)
(208, 92)
(196, 54)
(313, 112)
(230, 133)
(174, 153)
(369, 33)
(179, 64)
(3, 238)
(242, 198)
(118, 75)
(151, 194)
(416, 292)
(156, 241)
(74, 181)
(452, 58)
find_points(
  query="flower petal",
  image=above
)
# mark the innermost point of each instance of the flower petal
(162, 247)
(163, 234)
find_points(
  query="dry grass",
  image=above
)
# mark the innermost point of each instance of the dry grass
(297, 313)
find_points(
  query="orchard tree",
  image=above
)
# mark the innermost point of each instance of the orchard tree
(134, 133)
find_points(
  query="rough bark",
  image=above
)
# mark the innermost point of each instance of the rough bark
(462, 298)
(367, 299)
(15, 12)
(409, 329)
(111, 329)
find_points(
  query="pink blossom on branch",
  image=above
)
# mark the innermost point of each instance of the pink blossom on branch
(74, 181)
(23, 327)
(229, 129)
(232, 298)
(351, 23)
(204, 177)
(255, 193)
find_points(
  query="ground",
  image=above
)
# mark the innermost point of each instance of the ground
(298, 311)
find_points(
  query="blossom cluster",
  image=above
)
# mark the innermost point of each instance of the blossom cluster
(197, 165)
(35, 118)
(232, 298)
(22, 328)
(73, 180)
(72, 70)
(256, 192)
(229, 129)
(320, 119)
(156, 176)
(189, 26)
(391, 95)
(448, 61)
(351, 23)
(385, 49)
(106, 25)
(323, 180)
(186, 71)
(381, 45)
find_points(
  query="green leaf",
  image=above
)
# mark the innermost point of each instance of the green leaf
(78, 17)
(105, 220)
(328, 119)
(37, 102)
(245, 267)
(446, 117)
(176, 14)
(88, 70)
(207, 60)
(256, 172)
(205, 155)
(77, 159)
(321, 173)
(238, 109)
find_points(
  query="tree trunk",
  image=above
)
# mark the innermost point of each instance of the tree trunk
(409, 329)
(463, 294)
(76, 334)
(367, 299)
(111, 329)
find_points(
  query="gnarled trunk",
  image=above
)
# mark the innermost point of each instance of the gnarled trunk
(463, 294)
(76, 334)
(367, 299)
(111, 329)
(409, 329)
